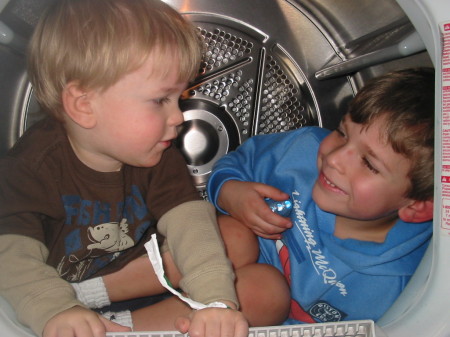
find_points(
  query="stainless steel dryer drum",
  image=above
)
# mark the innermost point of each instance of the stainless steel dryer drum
(269, 66)
(244, 88)
(258, 73)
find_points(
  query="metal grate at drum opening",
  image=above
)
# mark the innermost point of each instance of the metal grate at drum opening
(253, 83)
(282, 107)
(222, 48)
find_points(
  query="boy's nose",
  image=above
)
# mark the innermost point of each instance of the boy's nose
(340, 158)
(176, 117)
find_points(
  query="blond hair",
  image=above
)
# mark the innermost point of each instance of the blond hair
(96, 42)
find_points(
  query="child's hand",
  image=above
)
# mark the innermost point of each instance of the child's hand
(80, 322)
(213, 322)
(244, 201)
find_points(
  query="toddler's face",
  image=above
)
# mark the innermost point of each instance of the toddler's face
(360, 175)
(137, 118)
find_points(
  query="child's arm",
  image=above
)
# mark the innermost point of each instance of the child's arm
(242, 179)
(34, 289)
(245, 202)
(197, 249)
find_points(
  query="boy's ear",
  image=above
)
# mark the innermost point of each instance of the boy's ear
(417, 211)
(77, 105)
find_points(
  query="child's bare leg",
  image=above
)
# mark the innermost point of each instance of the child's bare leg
(160, 316)
(263, 293)
(262, 289)
(137, 279)
(241, 243)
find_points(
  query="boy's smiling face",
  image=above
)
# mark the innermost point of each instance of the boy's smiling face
(360, 175)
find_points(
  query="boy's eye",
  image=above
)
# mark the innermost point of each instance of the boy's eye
(161, 101)
(369, 166)
(340, 131)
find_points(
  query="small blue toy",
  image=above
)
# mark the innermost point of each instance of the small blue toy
(282, 208)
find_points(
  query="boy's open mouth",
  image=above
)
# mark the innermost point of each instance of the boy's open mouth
(329, 185)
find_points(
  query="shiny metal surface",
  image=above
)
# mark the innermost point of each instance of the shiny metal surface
(18, 109)
(262, 57)
(258, 76)
(258, 72)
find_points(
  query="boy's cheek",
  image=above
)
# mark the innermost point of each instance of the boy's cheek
(315, 193)
(328, 144)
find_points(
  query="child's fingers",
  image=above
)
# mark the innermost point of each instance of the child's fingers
(280, 223)
(241, 329)
(234, 325)
(227, 330)
(267, 236)
(270, 225)
(113, 327)
(198, 326)
(214, 323)
(182, 324)
(268, 191)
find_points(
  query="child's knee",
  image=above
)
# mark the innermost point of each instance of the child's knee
(240, 242)
(264, 294)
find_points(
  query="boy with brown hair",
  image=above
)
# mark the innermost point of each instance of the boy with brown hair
(362, 200)
(83, 190)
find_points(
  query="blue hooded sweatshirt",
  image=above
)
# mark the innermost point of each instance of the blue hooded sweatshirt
(331, 279)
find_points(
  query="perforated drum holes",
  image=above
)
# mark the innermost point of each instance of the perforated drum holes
(251, 88)
(282, 108)
(222, 48)
(253, 83)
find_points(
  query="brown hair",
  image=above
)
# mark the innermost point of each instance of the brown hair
(96, 42)
(405, 101)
